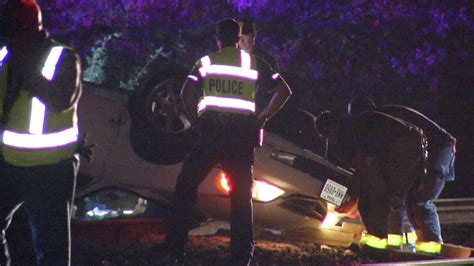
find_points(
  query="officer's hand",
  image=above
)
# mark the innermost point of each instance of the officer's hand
(85, 150)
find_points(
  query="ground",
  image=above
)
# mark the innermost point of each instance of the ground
(214, 250)
(141, 244)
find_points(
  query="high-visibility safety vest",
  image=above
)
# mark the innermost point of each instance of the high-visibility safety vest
(229, 82)
(34, 135)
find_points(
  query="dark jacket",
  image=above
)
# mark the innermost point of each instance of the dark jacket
(437, 136)
(370, 133)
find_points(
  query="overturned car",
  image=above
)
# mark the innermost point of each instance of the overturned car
(142, 138)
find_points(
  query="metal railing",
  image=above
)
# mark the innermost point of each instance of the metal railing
(459, 210)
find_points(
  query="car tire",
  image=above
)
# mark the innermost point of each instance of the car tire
(160, 131)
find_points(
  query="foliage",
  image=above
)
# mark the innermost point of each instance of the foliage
(140, 73)
(95, 63)
(419, 53)
(330, 50)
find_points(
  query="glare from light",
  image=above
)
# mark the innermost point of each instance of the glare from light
(128, 212)
(222, 183)
(330, 220)
(265, 192)
(97, 212)
(284, 157)
(261, 191)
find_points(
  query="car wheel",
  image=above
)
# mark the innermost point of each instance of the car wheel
(163, 107)
(160, 131)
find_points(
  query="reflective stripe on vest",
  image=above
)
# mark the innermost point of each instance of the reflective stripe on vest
(38, 110)
(244, 71)
(50, 140)
(50, 65)
(233, 103)
(35, 139)
(192, 77)
(3, 54)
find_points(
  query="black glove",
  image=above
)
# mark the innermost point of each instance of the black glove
(85, 150)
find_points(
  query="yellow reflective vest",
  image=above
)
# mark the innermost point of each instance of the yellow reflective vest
(229, 81)
(32, 134)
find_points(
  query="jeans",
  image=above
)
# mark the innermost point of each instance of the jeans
(46, 192)
(421, 209)
(233, 147)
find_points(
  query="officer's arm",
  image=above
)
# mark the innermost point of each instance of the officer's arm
(281, 94)
(64, 90)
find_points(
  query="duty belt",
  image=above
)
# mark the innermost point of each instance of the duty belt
(222, 118)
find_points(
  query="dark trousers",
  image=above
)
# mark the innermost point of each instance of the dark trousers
(233, 147)
(385, 181)
(46, 192)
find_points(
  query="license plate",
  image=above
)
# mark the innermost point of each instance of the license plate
(333, 192)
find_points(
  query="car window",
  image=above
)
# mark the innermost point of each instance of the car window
(115, 202)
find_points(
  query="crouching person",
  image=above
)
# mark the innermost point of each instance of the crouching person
(387, 153)
(440, 169)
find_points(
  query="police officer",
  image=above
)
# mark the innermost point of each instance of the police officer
(247, 43)
(39, 92)
(440, 167)
(387, 153)
(219, 98)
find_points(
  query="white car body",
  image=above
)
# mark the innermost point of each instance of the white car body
(105, 118)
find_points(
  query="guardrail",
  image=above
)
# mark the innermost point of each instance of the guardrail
(460, 210)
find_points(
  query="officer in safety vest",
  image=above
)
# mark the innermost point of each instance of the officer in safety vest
(219, 98)
(39, 92)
